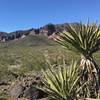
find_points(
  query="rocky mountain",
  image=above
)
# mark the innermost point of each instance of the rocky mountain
(3, 35)
(46, 30)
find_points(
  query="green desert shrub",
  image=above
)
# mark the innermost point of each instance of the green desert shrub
(61, 83)
(3, 96)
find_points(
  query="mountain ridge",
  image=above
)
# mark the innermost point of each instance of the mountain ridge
(46, 30)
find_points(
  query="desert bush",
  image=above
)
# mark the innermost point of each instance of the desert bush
(62, 82)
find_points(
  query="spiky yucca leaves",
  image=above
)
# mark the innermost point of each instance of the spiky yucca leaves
(86, 40)
(62, 83)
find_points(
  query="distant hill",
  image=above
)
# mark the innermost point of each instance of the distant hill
(28, 41)
(46, 30)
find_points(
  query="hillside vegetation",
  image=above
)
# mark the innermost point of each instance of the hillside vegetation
(18, 57)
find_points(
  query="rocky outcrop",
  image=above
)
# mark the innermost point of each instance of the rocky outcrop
(47, 30)
(26, 88)
(3, 36)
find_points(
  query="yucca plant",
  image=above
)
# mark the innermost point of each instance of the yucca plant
(84, 39)
(62, 83)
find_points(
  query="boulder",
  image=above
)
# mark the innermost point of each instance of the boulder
(16, 91)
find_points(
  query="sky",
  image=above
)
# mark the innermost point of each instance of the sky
(25, 14)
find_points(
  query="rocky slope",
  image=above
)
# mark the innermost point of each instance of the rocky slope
(23, 88)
